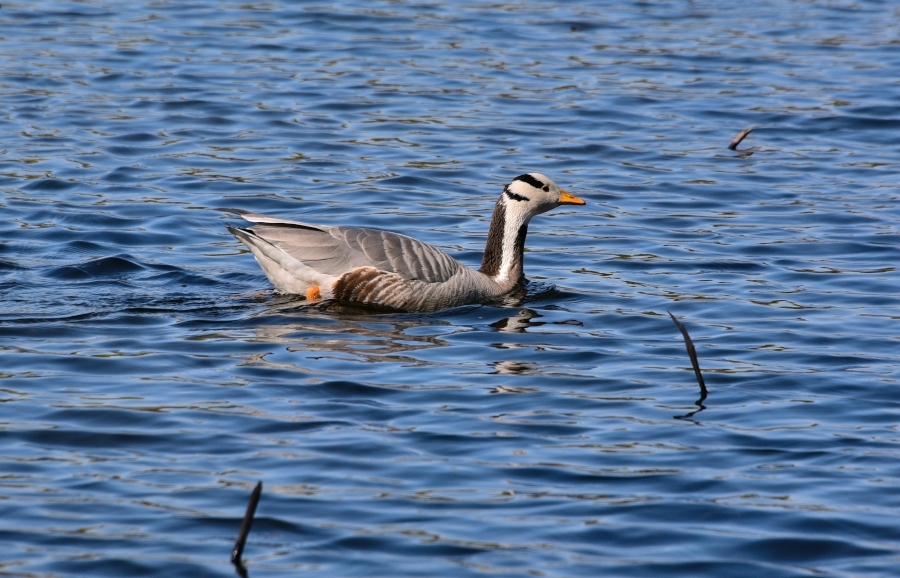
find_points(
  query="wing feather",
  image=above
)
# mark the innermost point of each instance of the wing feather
(396, 253)
(336, 250)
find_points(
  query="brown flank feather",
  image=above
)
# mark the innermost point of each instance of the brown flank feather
(357, 284)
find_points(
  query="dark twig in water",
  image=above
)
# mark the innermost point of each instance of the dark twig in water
(692, 353)
(737, 140)
(245, 531)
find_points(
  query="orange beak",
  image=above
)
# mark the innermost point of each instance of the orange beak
(567, 198)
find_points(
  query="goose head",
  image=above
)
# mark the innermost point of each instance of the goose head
(532, 194)
(524, 197)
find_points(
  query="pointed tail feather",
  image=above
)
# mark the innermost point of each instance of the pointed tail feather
(286, 273)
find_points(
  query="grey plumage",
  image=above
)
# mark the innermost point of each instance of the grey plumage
(335, 250)
(387, 269)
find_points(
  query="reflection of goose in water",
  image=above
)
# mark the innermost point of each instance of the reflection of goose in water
(313, 330)
(516, 367)
(518, 323)
(301, 327)
(384, 269)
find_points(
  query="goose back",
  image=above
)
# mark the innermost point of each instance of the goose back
(336, 250)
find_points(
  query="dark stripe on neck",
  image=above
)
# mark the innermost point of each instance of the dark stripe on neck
(519, 255)
(514, 196)
(493, 250)
(526, 178)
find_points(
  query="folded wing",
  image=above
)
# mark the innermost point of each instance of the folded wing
(336, 250)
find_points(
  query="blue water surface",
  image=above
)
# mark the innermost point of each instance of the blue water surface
(150, 377)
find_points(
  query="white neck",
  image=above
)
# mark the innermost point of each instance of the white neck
(504, 252)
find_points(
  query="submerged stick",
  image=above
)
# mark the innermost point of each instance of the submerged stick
(737, 140)
(692, 353)
(238, 550)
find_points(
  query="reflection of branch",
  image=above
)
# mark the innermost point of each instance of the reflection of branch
(238, 550)
(737, 140)
(692, 353)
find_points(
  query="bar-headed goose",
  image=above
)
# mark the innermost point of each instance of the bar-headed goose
(380, 268)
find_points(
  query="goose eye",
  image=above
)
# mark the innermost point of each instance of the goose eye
(546, 188)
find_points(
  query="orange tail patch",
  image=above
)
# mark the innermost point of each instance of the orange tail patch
(313, 293)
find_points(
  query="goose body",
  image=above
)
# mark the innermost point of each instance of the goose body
(385, 269)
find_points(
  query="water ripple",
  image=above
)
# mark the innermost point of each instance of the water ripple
(151, 377)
